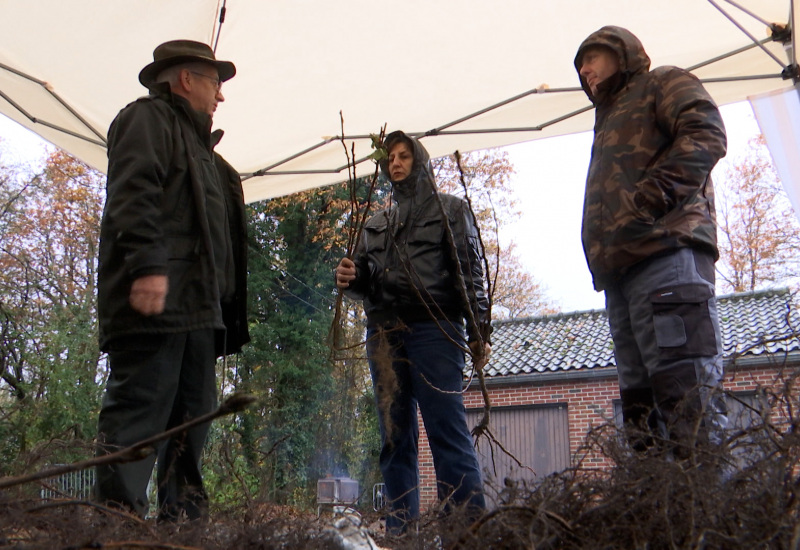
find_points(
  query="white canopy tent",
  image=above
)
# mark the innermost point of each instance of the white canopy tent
(778, 115)
(467, 74)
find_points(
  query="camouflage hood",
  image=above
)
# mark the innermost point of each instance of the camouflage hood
(657, 134)
(632, 59)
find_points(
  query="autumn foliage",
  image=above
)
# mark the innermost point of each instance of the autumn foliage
(485, 178)
(759, 233)
(49, 223)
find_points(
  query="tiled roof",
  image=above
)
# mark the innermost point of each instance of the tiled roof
(752, 323)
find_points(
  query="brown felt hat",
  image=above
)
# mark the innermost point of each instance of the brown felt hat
(183, 51)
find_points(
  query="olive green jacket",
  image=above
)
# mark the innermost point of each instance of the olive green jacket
(160, 153)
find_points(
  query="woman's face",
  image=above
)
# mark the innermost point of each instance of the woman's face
(401, 159)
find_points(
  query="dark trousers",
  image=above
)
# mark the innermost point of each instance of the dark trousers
(428, 371)
(667, 344)
(157, 382)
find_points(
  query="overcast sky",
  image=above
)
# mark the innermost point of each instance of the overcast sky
(549, 182)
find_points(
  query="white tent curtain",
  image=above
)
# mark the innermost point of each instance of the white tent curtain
(778, 116)
(466, 74)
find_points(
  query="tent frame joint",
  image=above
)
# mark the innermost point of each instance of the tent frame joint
(791, 72)
(781, 33)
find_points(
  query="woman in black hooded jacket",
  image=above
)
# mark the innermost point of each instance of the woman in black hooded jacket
(418, 270)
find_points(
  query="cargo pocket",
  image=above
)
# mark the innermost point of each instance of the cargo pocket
(682, 321)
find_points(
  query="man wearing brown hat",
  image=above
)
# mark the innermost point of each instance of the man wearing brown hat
(171, 277)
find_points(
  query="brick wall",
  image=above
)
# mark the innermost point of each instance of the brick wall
(589, 404)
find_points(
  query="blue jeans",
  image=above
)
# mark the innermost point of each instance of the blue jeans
(665, 328)
(419, 364)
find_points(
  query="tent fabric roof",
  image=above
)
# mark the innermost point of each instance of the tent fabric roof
(419, 65)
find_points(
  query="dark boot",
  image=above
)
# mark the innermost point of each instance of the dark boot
(639, 421)
(677, 398)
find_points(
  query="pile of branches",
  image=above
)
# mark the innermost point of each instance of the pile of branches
(27, 524)
(741, 494)
(652, 502)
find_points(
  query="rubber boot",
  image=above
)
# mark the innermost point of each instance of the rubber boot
(677, 398)
(638, 418)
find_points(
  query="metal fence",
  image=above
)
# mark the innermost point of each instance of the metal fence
(77, 485)
(378, 496)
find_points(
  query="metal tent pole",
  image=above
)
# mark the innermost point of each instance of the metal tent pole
(102, 138)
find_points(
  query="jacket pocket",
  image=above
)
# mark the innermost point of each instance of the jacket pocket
(375, 234)
(682, 321)
(431, 261)
(183, 248)
(375, 241)
(427, 232)
(188, 280)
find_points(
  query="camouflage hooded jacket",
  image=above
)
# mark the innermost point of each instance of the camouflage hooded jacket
(406, 266)
(657, 135)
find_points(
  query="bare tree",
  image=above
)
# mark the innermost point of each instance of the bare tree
(759, 234)
(487, 177)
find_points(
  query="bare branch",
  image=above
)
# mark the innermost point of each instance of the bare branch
(138, 451)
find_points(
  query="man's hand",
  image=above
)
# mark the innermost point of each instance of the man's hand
(345, 272)
(148, 294)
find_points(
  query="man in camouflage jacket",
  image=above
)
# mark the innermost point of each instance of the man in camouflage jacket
(649, 234)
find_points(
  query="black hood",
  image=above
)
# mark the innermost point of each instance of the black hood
(630, 52)
(420, 182)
